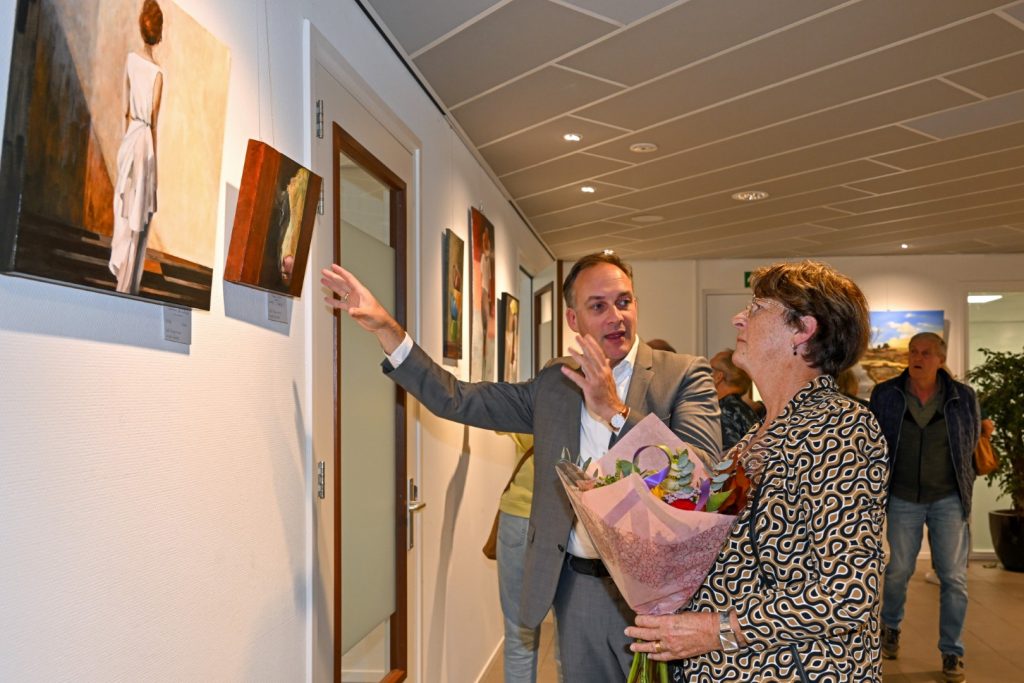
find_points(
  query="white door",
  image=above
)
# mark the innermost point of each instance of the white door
(365, 578)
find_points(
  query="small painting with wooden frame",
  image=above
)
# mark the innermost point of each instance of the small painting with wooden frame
(273, 222)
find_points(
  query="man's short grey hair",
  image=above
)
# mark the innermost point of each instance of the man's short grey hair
(939, 342)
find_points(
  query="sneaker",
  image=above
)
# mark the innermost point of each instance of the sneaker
(953, 668)
(890, 642)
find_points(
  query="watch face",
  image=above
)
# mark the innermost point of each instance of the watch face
(618, 420)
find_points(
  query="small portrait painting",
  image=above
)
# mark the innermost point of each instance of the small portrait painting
(274, 221)
(453, 254)
(508, 339)
(483, 354)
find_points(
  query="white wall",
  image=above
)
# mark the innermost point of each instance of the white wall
(154, 499)
(903, 282)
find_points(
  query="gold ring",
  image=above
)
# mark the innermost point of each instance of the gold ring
(657, 647)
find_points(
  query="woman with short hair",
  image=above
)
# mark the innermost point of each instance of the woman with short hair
(794, 594)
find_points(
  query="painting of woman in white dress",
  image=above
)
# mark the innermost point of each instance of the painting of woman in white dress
(135, 190)
(110, 174)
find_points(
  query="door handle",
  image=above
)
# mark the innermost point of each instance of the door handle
(414, 505)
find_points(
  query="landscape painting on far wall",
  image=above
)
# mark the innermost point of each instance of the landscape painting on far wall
(453, 264)
(482, 315)
(891, 331)
(110, 177)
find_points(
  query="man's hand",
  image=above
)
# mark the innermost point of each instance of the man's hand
(596, 380)
(355, 299)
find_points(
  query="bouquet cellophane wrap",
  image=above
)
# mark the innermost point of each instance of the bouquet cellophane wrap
(657, 555)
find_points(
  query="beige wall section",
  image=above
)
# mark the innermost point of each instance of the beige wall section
(155, 497)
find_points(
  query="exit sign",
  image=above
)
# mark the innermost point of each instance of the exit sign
(746, 279)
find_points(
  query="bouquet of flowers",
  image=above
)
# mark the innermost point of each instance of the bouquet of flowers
(657, 516)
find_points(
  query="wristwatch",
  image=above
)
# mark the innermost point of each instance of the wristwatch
(726, 636)
(618, 420)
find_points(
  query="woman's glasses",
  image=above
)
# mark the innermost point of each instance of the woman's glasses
(760, 303)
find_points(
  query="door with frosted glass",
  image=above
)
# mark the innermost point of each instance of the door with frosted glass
(360, 616)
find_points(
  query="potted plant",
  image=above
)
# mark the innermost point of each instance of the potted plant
(999, 381)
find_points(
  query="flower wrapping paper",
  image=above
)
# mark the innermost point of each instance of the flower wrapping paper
(657, 555)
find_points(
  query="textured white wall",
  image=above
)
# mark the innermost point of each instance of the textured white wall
(154, 498)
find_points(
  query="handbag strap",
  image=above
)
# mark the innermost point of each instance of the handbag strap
(527, 454)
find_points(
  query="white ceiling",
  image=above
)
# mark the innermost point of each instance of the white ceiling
(870, 123)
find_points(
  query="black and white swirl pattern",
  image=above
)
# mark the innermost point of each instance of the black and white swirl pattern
(808, 601)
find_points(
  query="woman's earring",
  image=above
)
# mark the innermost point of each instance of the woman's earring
(794, 349)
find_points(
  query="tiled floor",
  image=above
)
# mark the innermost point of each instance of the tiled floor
(993, 635)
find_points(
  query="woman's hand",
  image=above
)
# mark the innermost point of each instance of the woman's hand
(362, 306)
(675, 636)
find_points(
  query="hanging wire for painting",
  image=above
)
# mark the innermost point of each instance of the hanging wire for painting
(270, 78)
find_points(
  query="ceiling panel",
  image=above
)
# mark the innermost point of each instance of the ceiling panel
(749, 175)
(938, 173)
(929, 193)
(977, 199)
(758, 113)
(686, 33)
(622, 12)
(528, 101)
(998, 77)
(866, 120)
(517, 37)
(543, 143)
(559, 172)
(415, 24)
(567, 197)
(822, 42)
(957, 148)
(576, 216)
(998, 111)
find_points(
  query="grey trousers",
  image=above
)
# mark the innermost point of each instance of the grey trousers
(591, 617)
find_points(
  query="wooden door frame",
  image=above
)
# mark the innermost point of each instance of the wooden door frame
(343, 142)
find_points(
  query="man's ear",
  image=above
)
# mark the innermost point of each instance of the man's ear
(570, 317)
(808, 326)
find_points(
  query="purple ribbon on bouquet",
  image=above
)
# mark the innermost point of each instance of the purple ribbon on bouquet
(658, 477)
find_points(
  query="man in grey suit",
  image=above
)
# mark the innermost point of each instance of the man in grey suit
(581, 404)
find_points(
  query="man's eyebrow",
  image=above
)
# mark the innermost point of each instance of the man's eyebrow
(600, 297)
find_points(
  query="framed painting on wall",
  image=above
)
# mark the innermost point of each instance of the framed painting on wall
(482, 308)
(110, 176)
(886, 356)
(508, 339)
(273, 222)
(452, 255)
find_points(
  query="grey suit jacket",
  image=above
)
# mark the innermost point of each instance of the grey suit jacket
(677, 388)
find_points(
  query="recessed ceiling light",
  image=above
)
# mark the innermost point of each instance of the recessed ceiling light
(904, 246)
(588, 189)
(572, 137)
(983, 298)
(643, 147)
(647, 218)
(750, 195)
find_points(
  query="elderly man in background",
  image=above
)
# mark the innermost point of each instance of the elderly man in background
(731, 384)
(931, 424)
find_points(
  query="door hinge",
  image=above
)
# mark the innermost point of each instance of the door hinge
(320, 204)
(321, 482)
(320, 119)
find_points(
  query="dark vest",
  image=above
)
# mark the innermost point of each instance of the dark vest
(923, 468)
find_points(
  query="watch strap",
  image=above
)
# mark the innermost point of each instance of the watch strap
(726, 634)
